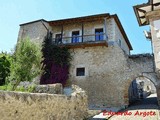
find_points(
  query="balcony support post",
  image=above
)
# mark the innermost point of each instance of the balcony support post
(82, 30)
(105, 28)
(62, 33)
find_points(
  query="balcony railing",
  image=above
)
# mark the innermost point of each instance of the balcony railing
(80, 39)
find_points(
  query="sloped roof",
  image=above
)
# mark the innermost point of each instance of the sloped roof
(142, 9)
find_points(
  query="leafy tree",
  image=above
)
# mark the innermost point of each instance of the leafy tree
(27, 62)
(4, 67)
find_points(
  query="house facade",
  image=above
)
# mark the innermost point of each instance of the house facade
(101, 63)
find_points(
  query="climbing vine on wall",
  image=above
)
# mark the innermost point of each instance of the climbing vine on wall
(56, 62)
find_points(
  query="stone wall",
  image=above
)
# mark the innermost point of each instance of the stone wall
(154, 17)
(34, 31)
(155, 41)
(50, 88)
(108, 74)
(120, 39)
(43, 106)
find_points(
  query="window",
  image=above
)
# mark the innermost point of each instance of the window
(75, 36)
(99, 34)
(80, 72)
(58, 38)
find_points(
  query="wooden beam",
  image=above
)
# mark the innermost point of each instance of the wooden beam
(152, 7)
(82, 30)
(156, 4)
(142, 17)
(140, 10)
(144, 23)
(83, 45)
(62, 32)
(76, 20)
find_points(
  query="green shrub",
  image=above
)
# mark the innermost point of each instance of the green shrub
(4, 67)
(31, 88)
(20, 88)
(26, 62)
(6, 87)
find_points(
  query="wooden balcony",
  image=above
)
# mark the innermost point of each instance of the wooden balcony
(82, 41)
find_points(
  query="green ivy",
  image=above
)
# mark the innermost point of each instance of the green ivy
(56, 62)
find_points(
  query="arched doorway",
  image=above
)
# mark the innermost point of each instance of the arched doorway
(142, 90)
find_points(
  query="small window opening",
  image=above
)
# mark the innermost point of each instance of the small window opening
(80, 72)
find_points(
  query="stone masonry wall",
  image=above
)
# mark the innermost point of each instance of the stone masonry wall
(43, 106)
(49, 88)
(108, 74)
(155, 42)
(119, 37)
(154, 20)
(34, 31)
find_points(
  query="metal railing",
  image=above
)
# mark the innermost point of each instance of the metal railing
(80, 39)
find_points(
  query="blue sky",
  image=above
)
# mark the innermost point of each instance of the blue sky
(15, 12)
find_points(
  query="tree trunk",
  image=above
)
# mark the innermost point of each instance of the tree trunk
(15, 85)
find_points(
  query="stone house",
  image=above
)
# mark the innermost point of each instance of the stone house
(102, 64)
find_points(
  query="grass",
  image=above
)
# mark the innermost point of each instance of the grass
(19, 88)
(6, 87)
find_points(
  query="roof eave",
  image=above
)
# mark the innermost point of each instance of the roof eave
(77, 19)
(33, 22)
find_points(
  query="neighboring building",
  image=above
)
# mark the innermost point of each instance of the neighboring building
(101, 63)
(149, 13)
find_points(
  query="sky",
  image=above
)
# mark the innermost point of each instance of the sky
(15, 12)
